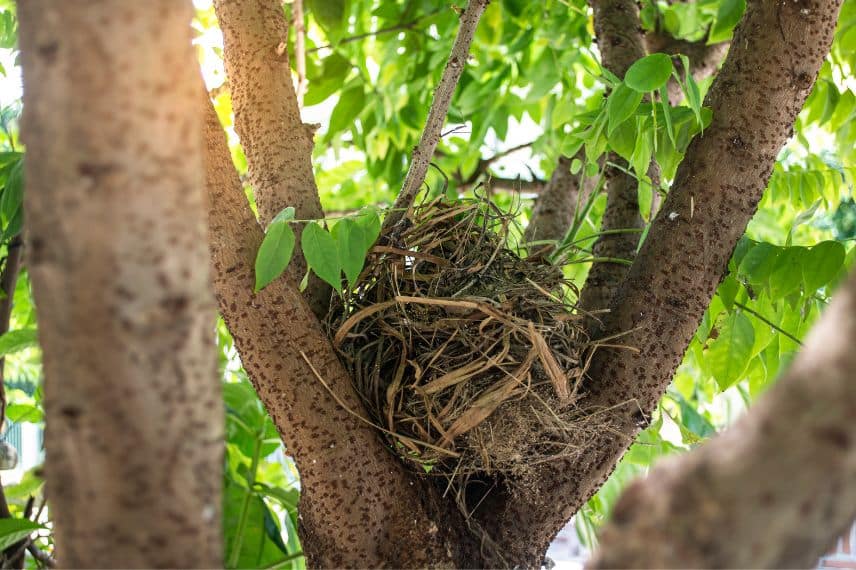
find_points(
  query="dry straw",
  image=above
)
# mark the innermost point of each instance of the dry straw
(468, 356)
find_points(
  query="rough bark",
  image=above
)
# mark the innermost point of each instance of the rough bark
(358, 507)
(620, 41)
(117, 253)
(774, 491)
(774, 60)
(278, 145)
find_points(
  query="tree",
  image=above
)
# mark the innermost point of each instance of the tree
(661, 182)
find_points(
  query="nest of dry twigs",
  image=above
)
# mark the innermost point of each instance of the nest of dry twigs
(468, 357)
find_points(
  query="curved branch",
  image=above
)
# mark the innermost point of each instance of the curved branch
(423, 152)
(284, 350)
(774, 60)
(773, 491)
(277, 143)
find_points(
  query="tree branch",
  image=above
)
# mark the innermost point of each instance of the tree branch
(771, 67)
(118, 259)
(273, 330)
(774, 491)
(423, 152)
(267, 119)
(620, 42)
(299, 49)
(399, 27)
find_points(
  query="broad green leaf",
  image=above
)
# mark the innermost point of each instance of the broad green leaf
(727, 16)
(649, 73)
(351, 243)
(620, 105)
(821, 264)
(17, 340)
(729, 354)
(351, 103)
(623, 139)
(21, 413)
(287, 214)
(329, 13)
(274, 253)
(758, 263)
(14, 530)
(787, 274)
(369, 220)
(259, 545)
(319, 249)
(644, 148)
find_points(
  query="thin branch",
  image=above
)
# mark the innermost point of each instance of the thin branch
(299, 49)
(401, 26)
(768, 322)
(437, 115)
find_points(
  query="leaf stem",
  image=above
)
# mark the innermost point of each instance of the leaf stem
(245, 506)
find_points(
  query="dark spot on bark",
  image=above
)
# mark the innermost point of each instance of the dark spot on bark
(49, 51)
(834, 436)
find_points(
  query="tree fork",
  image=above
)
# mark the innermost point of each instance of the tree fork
(775, 56)
(389, 522)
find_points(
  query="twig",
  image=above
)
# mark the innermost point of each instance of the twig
(299, 49)
(401, 26)
(424, 151)
(764, 319)
(41, 555)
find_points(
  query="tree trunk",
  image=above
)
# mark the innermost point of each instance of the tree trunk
(772, 491)
(117, 251)
(775, 56)
(277, 143)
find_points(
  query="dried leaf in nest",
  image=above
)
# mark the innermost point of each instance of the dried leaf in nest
(468, 355)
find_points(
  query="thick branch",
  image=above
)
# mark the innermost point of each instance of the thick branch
(769, 72)
(118, 258)
(620, 42)
(423, 152)
(774, 491)
(289, 359)
(267, 119)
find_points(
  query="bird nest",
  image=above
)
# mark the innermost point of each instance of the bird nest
(468, 357)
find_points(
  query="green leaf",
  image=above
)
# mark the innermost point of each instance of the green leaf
(649, 73)
(21, 413)
(667, 114)
(286, 215)
(620, 105)
(729, 355)
(351, 103)
(14, 530)
(274, 253)
(758, 263)
(322, 256)
(369, 220)
(351, 242)
(17, 340)
(787, 274)
(330, 14)
(644, 149)
(821, 264)
(727, 16)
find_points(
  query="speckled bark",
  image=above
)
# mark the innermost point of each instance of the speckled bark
(278, 145)
(774, 491)
(358, 507)
(620, 41)
(118, 257)
(775, 56)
